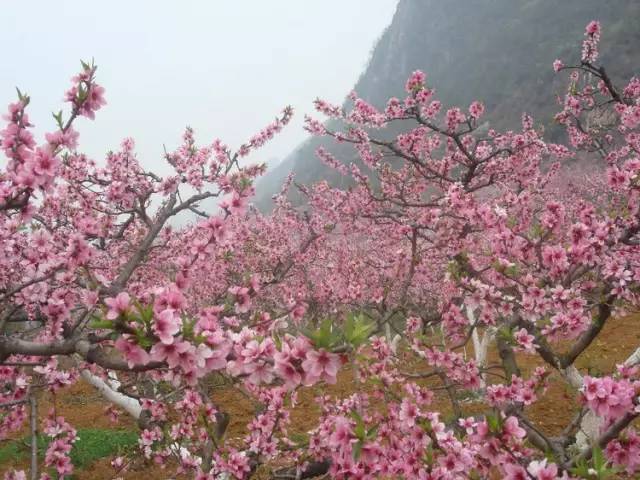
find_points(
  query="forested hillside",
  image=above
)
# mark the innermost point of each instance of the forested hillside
(499, 51)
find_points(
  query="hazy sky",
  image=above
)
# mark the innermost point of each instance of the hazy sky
(224, 67)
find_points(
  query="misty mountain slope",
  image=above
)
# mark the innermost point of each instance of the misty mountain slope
(498, 51)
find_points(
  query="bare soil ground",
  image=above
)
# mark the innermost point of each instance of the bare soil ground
(84, 408)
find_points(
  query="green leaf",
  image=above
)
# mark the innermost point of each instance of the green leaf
(581, 469)
(599, 461)
(357, 330)
(82, 93)
(359, 431)
(299, 438)
(357, 450)
(100, 323)
(58, 118)
(188, 327)
(146, 314)
(25, 99)
(142, 340)
(494, 422)
(324, 337)
(372, 433)
(428, 455)
(454, 270)
(506, 334)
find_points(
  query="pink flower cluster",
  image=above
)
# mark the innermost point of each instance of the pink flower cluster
(610, 398)
(445, 237)
(62, 437)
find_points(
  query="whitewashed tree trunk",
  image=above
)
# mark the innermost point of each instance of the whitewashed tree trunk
(634, 358)
(591, 423)
(387, 331)
(480, 345)
(128, 404)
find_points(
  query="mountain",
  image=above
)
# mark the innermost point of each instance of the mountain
(497, 51)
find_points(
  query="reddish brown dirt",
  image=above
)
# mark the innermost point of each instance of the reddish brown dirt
(84, 408)
(618, 339)
(102, 470)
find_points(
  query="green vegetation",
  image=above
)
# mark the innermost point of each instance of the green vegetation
(92, 444)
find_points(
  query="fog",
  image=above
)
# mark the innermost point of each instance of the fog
(226, 68)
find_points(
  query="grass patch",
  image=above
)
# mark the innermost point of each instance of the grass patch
(92, 444)
(9, 451)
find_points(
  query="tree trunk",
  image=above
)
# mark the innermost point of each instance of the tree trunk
(591, 424)
(33, 401)
(130, 405)
(480, 345)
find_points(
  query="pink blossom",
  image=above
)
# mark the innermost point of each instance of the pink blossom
(541, 471)
(15, 475)
(286, 371)
(512, 429)
(259, 372)
(321, 365)
(476, 109)
(525, 340)
(415, 81)
(236, 204)
(515, 472)
(133, 354)
(557, 65)
(177, 353)
(117, 306)
(166, 325)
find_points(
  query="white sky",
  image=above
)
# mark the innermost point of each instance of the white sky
(224, 67)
